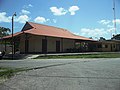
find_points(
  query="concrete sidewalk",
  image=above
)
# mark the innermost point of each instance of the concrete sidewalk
(31, 56)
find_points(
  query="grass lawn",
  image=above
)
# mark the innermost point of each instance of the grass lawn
(8, 72)
(100, 55)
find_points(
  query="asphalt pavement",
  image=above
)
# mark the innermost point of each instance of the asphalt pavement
(64, 74)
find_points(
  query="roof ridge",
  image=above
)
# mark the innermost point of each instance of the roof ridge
(48, 25)
(53, 27)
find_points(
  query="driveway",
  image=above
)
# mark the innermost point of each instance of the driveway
(68, 74)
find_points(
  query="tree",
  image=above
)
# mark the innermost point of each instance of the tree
(4, 31)
(116, 37)
(102, 39)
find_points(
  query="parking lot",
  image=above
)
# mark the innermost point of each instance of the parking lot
(64, 74)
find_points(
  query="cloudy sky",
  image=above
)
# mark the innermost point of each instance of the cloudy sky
(89, 18)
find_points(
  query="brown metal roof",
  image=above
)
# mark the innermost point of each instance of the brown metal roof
(39, 29)
(44, 30)
(16, 34)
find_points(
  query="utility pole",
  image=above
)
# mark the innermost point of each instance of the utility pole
(12, 35)
(114, 16)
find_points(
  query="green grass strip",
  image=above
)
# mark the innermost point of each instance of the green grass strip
(8, 72)
(100, 55)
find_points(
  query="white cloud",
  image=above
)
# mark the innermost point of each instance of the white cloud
(27, 6)
(110, 26)
(104, 22)
(54, 20)
(106, 32)
(111, 30)
(108, 22)
(58, 11)
(93, 32)
(23, 11)
(73, 9)
(4, 18)
(47, 20)
(44, 20)
(117, 21)
(19, 19)
(61, 11)
(22, 19)
(30, 5)
(40, 20)
(76, 33)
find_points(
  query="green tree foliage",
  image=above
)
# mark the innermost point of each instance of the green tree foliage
(4, 31)
(102, 39)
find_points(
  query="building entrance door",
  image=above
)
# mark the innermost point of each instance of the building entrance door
(57, 46)
(44, 46)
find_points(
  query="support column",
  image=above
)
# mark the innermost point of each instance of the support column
(26, 44)
(5, 46)
(14, 45)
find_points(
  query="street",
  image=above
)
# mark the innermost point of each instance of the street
(64, 74)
